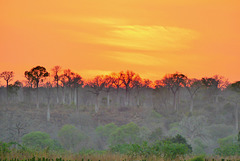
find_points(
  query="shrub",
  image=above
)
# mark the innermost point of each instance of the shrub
(198, 158)
(70, 137)
(129, 133)
(156, 134)
(38, 140)
(105, 131)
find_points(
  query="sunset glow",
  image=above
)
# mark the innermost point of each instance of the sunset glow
(91, 37)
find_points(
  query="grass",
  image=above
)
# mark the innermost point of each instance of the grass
(66, 156)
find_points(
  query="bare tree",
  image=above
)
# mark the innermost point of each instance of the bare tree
(173, 82)
(108, 84)
(235, 97)
(97, 85)
(56, 70)
(8, 77)
(127, 81)
(192, 86)
(77, 82)
(117, 83)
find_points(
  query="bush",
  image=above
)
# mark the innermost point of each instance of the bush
(156, 134)
(105, 131)
(198, 158)
(129, 133)
(38, 140)
(70, 137)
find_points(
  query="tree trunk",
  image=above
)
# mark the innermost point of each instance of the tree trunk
(7, 92)
(236, 117)
(108, 99)
(63, 98)
(191, 105)
(48, 112)
(37, 98)
(174, 102)
(96, 104)
(70, 96)
(57, 95)
(77, 98)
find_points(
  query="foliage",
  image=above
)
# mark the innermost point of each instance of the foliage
(38, 140)
(105, 131)
(156, 134)
(129, 133)
(229, 146)
(70, 137)
(198, 158)
(168, 148)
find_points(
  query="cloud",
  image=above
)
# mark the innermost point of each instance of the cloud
(136, 58)
(156, 38)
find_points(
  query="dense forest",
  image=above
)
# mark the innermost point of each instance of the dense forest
(59, 109)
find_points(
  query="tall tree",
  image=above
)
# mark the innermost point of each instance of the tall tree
(214, 85)
(235, 87)
(8, 77)
(67, 81)
(36, 75)
(117, 83)
(77, 82)
(97, 85)
(192, 86)
(173, 82)
(127, 81)
(48, 85)
(138, 85)
(56, 70)
(108, 84)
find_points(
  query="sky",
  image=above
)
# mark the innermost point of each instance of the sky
(199, 38)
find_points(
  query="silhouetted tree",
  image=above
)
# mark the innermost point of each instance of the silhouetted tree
(117, 83)
(108, 84)
(97, 85)
(127, 81)
(56, 70)
(192, 86)
(36, 75)
(214, 85)
(48, 85)
(67, 81)
(77, 82)
(138, 85)
(8, 77)
(173, 82)
(235, 87)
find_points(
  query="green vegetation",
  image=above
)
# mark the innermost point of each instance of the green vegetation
(38, 140)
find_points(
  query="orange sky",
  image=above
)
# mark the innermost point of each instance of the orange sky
(151, 37)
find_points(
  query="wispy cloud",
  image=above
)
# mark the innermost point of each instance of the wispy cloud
(136, 58)
(157, 38)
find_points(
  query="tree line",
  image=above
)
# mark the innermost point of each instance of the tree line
(64, 86)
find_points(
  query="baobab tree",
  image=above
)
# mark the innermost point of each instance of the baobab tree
(36, 75)
(76, 83)
(108, 84)
(48, 85)
(97, 85)
(173, 82)
(235, 98)
(138, 85)
(56, 70)
(117, 83)
(127, 82)
(192, 86)
(8, 77)
(67, 80)
(214, 85)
